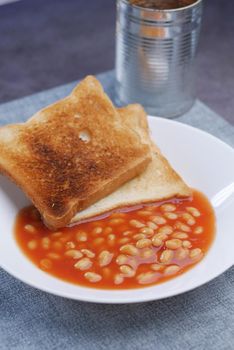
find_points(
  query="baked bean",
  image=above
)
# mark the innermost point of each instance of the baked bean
(97, 230)
(181, 253)
(182, 227)
(81, 236)
(163, 236)
(166, 256)
(171, 216)
(53, 256)
(173, 243)
(127, 233)
(88, 253)
(124, 240)
(111, 237)
(146, 277)
(168, 207)
(195, 254)
(157, 267)
(159, 220)
(117, 221)
(46, 264)
(139, 236)
(198, 230)
(187, 244)
(32, 244)
(118, 278)
(30, 228)
(129, 249)
(93, 277)
(189, 219)
(169, 270)
(73, 253)
(152, 225)
(147, 231)
(147, 253)
(194, 211)
(136, 223)
(167, 229)
(121, 259)
(70, 245)
(157, 242)
(127, 270)
(143, 243)
(83, 264)
(105, 258)
(45, 242)
(180, 235)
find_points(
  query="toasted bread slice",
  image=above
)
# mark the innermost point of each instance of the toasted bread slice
(72, 153)
(157, 183)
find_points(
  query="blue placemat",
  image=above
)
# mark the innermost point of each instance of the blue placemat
(197, 320)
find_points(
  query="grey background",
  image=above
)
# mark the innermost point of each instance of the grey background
(45, 43)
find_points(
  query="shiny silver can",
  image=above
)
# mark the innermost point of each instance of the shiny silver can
(155, 52)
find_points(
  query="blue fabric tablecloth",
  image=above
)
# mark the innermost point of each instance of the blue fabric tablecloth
(197, 320)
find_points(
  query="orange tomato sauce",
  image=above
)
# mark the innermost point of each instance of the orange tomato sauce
(129, 248)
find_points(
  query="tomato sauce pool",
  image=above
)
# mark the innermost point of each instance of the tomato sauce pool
(125, 249)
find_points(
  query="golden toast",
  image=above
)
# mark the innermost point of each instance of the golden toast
(72, 153)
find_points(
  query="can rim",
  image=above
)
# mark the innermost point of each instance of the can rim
(157, 10)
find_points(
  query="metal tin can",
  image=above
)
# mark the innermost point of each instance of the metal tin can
(155, 51)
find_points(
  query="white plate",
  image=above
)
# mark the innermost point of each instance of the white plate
(205, 163)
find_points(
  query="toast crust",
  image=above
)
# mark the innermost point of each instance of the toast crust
(60, 158)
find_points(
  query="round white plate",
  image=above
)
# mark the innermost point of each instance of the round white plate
(205, 163)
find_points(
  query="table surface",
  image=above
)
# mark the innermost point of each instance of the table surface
(51, 42)
(196, 320)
